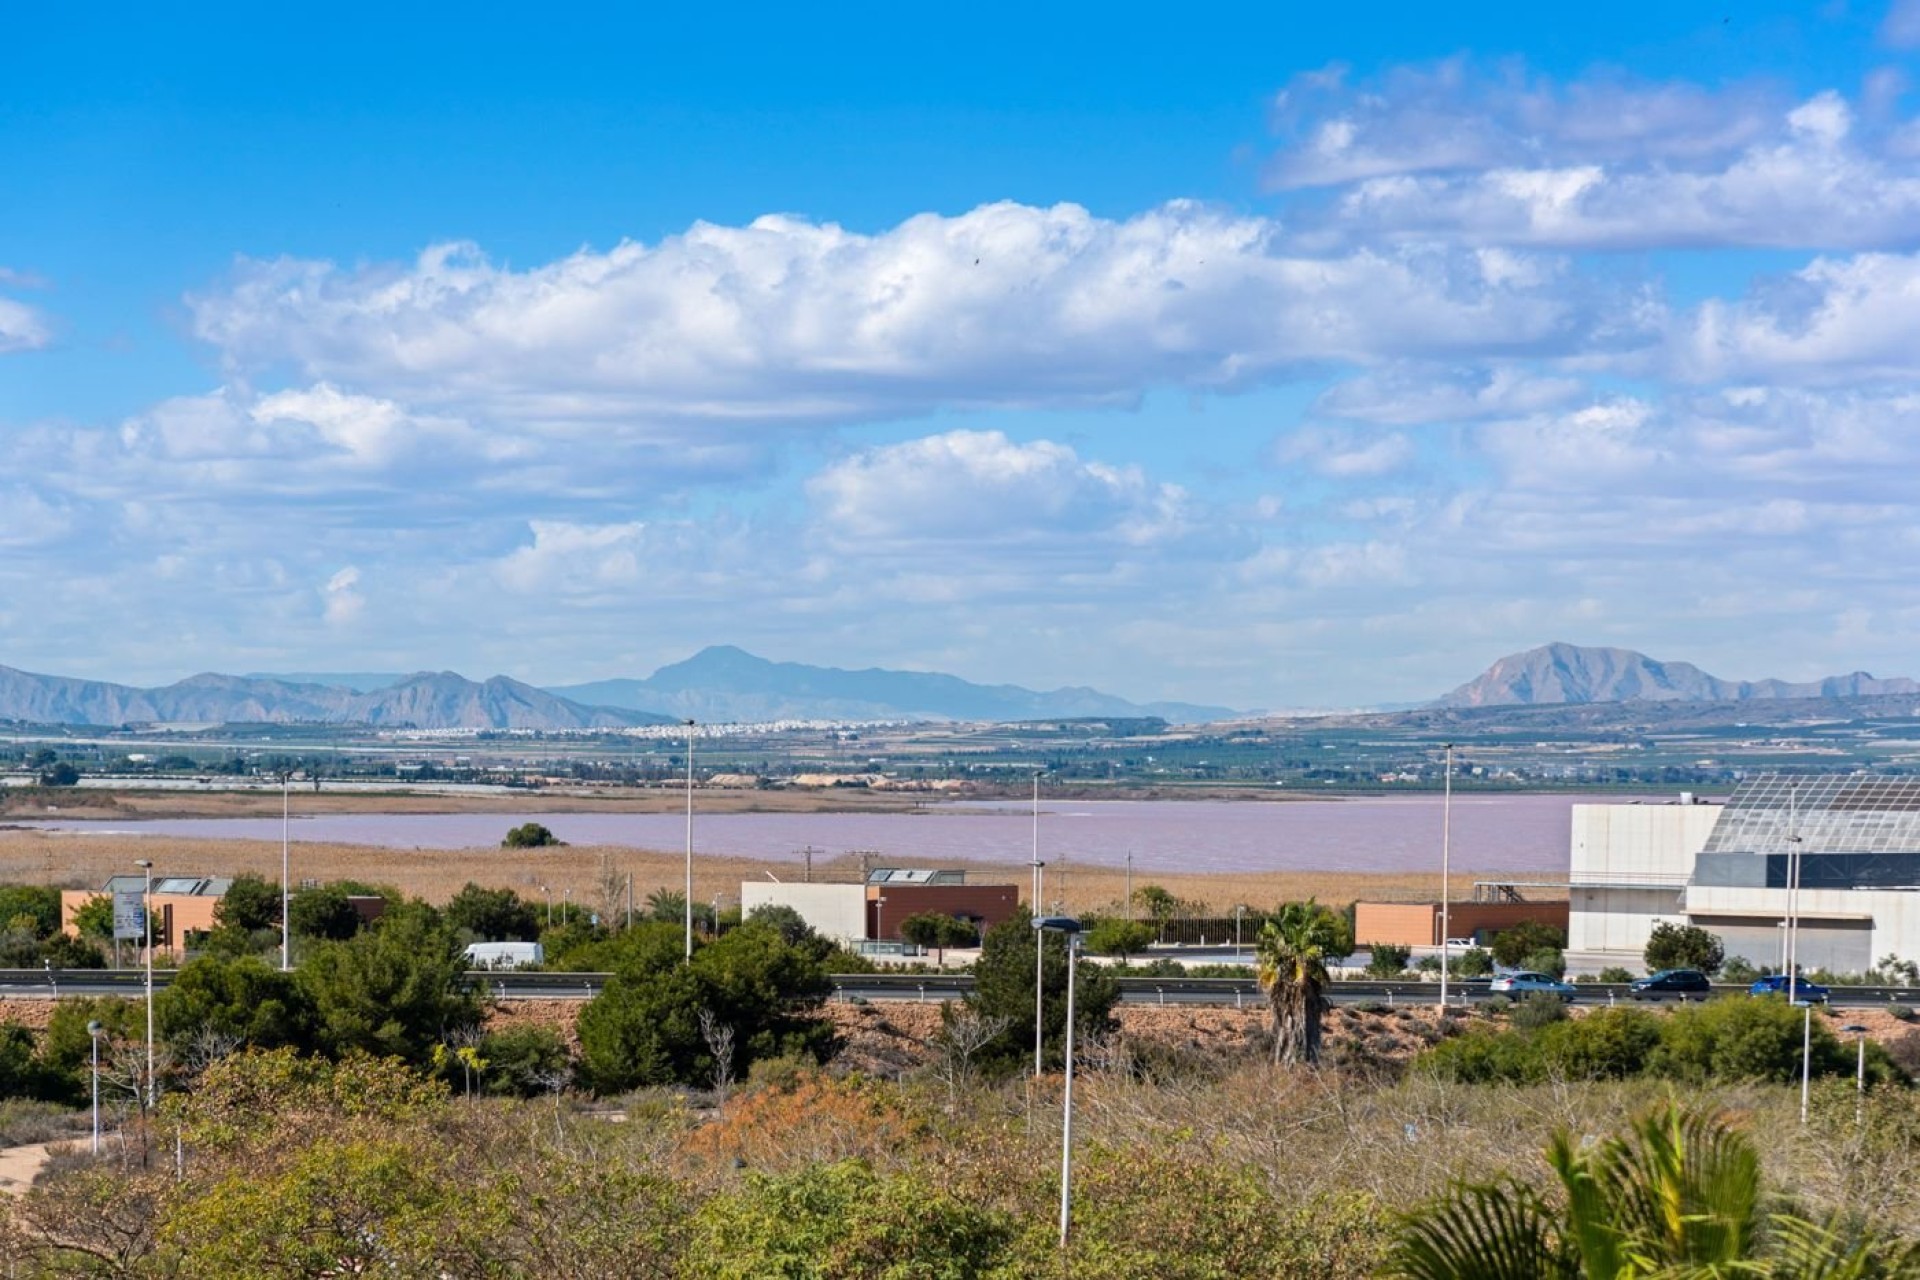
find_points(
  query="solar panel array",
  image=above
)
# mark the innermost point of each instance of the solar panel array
(1829, 813)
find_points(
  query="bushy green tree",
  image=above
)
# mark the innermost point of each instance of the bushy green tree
(525, 1061)
(323, 912)
(529, 835)
(1548, 960)
(395, 989)
(1003, 988)
(1512, 946)
(94, 917)
(66, 1048)
(1113, 936)
(493, 915)
(1684, 946)
(250, 902)
(936, 931)
(239, 997)
(644, 1028)
(37, 905)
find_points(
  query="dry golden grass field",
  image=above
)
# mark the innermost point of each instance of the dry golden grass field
(83, 861)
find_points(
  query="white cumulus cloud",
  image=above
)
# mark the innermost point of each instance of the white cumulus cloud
(789, 321)
(980, 487)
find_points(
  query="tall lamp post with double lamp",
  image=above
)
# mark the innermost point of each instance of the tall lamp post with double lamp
(1069, 927)
(690, 726)
(146, 925)
(1446, 870)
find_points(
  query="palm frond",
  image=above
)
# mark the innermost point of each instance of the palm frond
(1482, 1231)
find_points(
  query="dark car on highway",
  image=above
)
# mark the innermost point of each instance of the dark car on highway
(1671, 984)
(1775, 984)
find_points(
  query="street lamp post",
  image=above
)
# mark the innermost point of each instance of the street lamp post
(1070, 928)
(146, 912)
(1806, 1058)
(690, 725)
(1859, 1070)
(93, 1034)
(1793, 903)
(1039, 956)
(544, 889)
(1446, 870)
(1238, 909)
(566, 905)
(286, 898)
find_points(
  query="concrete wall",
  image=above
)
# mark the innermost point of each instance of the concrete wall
(1418, 924)
(1623, 842)
(1629, 865)
(1402, 924)
(837, 911)
(988, 904)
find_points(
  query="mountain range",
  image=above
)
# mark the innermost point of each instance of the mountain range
(428, 700)
(718, 685)
(1567, 674)
(723, 683)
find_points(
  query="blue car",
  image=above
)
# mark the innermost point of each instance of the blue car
(1775, 984)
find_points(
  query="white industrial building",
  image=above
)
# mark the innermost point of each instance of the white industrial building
(836, 911)
(1725, 868)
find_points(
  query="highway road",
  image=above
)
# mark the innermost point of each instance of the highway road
(37, 984)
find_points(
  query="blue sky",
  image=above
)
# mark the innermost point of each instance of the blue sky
(1256, 355)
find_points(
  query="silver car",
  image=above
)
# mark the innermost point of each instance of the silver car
(1525, 984)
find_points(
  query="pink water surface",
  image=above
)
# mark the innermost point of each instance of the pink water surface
(1509, 833)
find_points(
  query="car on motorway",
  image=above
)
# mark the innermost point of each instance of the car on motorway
(1775, 984)
(1525, 984)
(1671, 984)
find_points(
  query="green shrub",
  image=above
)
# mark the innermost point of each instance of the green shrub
(1388, 960)
(1900, 1012)
(1540, 1009)
(845, 1222)
(1475, 962)
(1547, 960)
(1614, 975)
(1606, 1044)
(1742, 1040)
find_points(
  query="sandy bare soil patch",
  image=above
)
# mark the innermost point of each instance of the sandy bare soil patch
(19, 1166)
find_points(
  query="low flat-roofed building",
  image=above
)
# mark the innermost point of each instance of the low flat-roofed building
(180, 904)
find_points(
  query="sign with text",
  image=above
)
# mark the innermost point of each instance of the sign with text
(129, 915)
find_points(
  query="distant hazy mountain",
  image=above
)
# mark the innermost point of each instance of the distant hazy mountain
(358, 681)
(1567, 673)
(426, 701)
(724, 683)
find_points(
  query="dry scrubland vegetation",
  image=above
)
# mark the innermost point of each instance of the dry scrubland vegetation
(1205, 1165)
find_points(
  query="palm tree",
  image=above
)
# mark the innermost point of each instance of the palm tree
(1293, 950)
(1679, 1196)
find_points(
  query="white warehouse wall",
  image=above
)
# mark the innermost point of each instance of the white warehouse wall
(837, 911)
(1628, 866)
